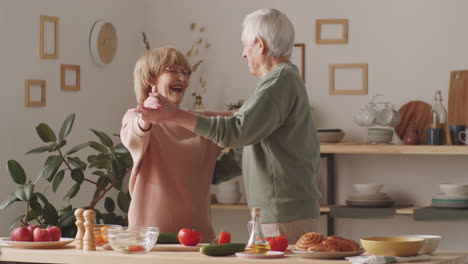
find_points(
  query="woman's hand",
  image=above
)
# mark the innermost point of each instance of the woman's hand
(167, 111)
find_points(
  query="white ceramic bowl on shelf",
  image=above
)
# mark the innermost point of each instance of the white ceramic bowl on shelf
(368, 188)
(454, 189)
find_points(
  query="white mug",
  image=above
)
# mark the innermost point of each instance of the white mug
(464, 133)
(388, 116)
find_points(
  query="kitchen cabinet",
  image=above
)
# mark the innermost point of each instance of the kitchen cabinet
(328, 151)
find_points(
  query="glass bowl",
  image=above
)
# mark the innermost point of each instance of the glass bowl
(132, 240)
(100, 235)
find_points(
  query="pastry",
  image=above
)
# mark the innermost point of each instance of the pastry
(309, 239)
(323, 248)
(342, 243)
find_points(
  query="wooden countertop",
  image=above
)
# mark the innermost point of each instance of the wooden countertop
(71, 255)
(357, 148)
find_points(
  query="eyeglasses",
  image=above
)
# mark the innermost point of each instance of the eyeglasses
(176, 73)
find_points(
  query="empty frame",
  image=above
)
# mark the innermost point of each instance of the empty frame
(325, 31)
(298, 58)
(348, 79)
(35, 93)
(49, 37)
(70, 77)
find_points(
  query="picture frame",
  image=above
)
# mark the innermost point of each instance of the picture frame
(64, 68)
(44, 40)
(336, 91)
(27, 98)
(318, 31)
(299, 60)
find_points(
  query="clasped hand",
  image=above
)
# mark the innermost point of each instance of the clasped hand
(166, 112)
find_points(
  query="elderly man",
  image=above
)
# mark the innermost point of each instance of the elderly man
(281, 148)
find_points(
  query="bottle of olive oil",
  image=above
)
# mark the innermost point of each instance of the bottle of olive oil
(257, 243)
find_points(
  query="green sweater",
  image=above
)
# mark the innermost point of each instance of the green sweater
(280, 162)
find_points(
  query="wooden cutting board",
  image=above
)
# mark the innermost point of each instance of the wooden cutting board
(417, 114)
(177, 248)
(458, 98)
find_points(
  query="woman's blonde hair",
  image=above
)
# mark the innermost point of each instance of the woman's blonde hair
(151, 64)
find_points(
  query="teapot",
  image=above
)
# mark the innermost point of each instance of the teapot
(367, 116)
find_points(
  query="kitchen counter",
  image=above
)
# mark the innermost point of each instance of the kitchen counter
(70, 255)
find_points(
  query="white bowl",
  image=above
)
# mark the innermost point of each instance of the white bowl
(368, 188)
(228, 197)
(454, 189)
(331, 137)
(431, 243)
(379, 135)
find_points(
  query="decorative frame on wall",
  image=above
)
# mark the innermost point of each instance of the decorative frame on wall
(63, 77)
(27, 94)
(300, 60)
(335, 90)
(318, 31)
(44, 54)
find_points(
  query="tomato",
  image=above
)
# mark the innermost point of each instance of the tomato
(189, 237)
(279, 243)
(224, 237)
(135, 248)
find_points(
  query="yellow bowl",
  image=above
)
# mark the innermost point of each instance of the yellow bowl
(397, 246)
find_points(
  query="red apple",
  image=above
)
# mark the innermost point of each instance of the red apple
(41, 235)
(55, 233)
(21, 234)
(32, 227)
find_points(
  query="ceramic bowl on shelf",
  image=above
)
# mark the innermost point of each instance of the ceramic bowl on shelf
(368, 188)
(431, 243)
(396, 246)
(454, 189)
(379, 135)
(132, 240)
(330, 135)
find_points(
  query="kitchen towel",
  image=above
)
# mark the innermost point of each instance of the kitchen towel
(372, 259)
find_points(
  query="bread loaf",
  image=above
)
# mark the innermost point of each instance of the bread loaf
(323, 248)
(309, 239)
(342, 243)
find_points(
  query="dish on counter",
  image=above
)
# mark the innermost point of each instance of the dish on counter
(38, 245)
(269, 255)
(330, 135)
(326, 255)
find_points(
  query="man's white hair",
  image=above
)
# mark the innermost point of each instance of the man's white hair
(274, 27)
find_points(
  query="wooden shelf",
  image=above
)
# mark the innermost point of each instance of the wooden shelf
(356, 148)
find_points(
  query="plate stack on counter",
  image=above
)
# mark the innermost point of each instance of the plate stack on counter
(330, 135)
(453, 196)
(369, 196)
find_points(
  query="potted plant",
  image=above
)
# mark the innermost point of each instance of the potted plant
(105, 170)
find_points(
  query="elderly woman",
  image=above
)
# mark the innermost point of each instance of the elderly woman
(173, 167)
(281, 154)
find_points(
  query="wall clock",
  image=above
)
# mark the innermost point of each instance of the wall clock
(103, 42)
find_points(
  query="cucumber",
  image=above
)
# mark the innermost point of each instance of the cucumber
(223, 249)
(168, 238)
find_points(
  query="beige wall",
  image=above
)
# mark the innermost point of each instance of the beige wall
(410, 46)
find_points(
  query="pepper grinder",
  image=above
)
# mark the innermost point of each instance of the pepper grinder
(89, 241)
(80, 228)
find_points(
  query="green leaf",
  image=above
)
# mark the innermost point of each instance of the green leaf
(67, 218)
(46, 133)
(109, 204)
(16, 172)
(104, 138)
(98, 146)
(117, 170)
(77, 175)
(42, 149)
(20, 193)
(99, 173)
(58, 180)
(36, 206)
(59, 145)
(75, 161)
(11, 199)
(123, 201)
(32, 214)
(76, 148)
(52, 165)
(42, 198)
(73, 191)
(50, 214)
(66, 127)
(28, 191)
(121, 149)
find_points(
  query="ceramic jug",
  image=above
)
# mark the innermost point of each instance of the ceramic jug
(411, 136)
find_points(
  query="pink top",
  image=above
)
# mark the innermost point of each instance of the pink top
(171, 176)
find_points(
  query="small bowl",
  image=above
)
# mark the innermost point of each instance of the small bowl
(397, 246)
(431, 243)
(331, 137)
(100, 236)
(133, 240)
(379, 135)
(454, 189)
(368, 188)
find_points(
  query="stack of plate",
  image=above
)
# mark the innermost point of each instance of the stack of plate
(450, 201)
(379, 199)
